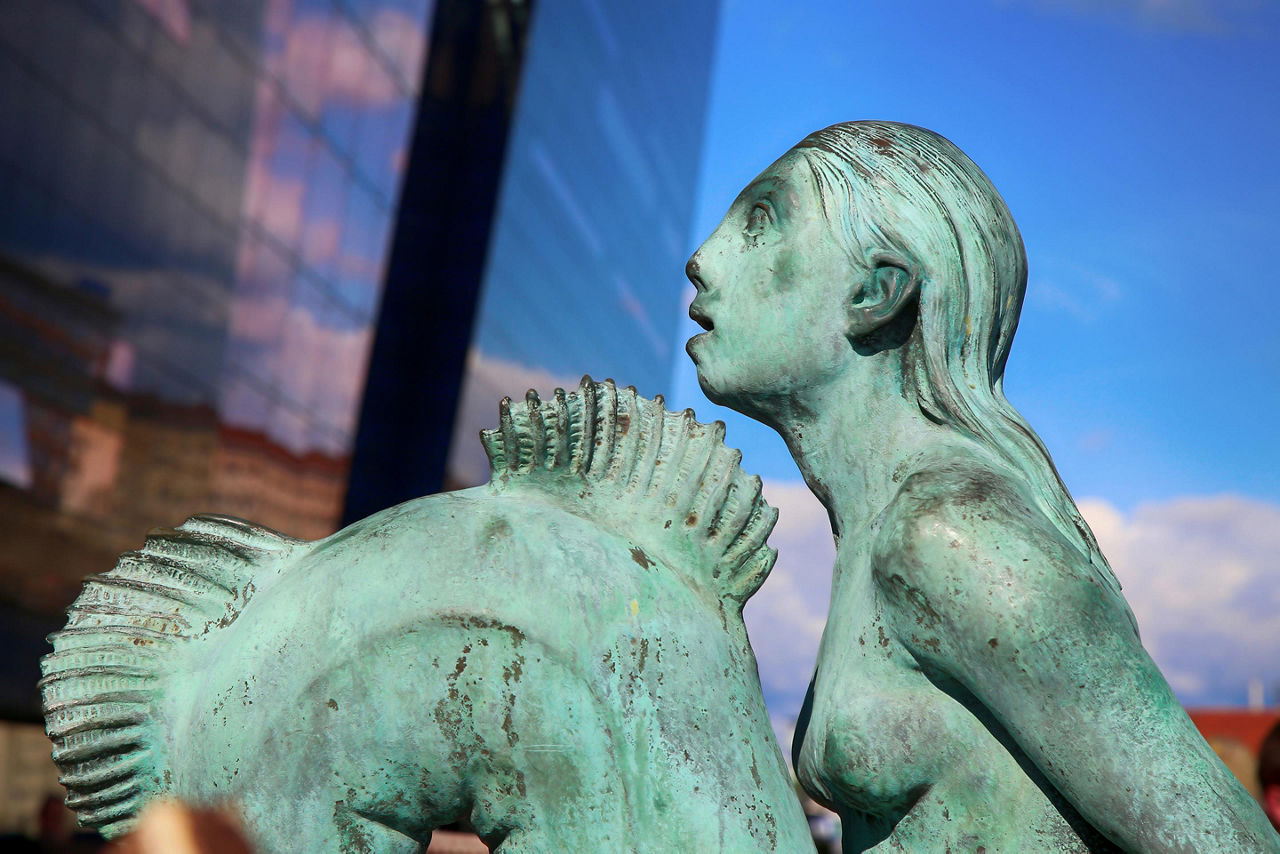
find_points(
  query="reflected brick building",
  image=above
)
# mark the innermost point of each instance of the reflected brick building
(300, 493)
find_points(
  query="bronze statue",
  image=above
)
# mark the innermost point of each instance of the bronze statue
(560, 655)
(980, 683)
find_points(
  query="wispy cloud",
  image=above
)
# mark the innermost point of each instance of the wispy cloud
(1074, 290)
(1059, 299)
(173, 15)
(324, 58)
(323, 368)
(1203, 577)
(487, 380)
(1196, 16)
(1093, 441)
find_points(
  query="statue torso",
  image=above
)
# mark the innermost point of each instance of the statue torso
(910, 759)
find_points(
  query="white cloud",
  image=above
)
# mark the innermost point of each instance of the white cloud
(400, 160)
(1202, 575)
(786, 617)
(1186, 684)
(1051, 296)
(1093, 441)
(318, 369)
(1086, 294)
(360, 267)
(276, 17)
(322, 368)
(275, 201)
(320, 240)
(784, 730)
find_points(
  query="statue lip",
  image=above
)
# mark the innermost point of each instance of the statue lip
(699, 316)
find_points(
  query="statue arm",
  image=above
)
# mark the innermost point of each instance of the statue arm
(983, 589)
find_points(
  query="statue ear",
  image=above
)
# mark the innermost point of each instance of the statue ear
(890, 288)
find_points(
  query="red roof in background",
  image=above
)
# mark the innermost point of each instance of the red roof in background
(1248, 726)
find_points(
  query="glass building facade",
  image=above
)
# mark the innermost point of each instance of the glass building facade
(585, 271)
(195, 249)
(197, 199)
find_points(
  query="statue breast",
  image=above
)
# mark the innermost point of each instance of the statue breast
(909, 755)
(872, 712)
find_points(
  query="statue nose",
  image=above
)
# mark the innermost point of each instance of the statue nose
(693, 269)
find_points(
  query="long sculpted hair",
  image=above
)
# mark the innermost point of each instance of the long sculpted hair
(896, 187)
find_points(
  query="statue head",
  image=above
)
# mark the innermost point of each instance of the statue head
(910, 242)
(906, 202)
(873, 250)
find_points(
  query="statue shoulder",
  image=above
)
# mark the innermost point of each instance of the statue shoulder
(954, 503)
(963, 541)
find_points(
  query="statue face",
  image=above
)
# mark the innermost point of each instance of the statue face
(773, 286)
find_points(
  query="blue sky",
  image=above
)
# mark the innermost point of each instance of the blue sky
(1135, 142)
(1137, 150)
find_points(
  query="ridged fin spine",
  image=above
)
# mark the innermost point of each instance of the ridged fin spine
(675, 472)
(110, 662)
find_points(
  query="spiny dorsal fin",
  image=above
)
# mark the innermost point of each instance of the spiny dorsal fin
(674, 473)
(110, 662)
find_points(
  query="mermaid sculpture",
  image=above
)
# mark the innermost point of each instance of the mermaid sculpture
(980, 684)
(558, 656)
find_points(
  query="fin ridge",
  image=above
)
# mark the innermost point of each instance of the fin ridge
(111, 662)
(675, 472)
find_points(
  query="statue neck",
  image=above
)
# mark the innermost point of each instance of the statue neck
(849, 438)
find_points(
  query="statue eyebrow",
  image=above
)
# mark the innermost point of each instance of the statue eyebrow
(759, 184)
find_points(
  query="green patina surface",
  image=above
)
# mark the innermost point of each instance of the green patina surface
(558, 656)
(980, 685)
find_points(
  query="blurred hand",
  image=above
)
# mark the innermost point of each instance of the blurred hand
(168, 827)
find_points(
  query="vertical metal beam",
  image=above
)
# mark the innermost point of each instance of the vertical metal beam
(438, 251)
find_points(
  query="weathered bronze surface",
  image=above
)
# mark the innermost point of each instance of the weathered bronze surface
(558, 656)
(980, 684)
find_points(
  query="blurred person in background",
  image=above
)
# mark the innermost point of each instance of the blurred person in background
(1239, 760)
(58, 833)
(167, 827)
(1269, 774)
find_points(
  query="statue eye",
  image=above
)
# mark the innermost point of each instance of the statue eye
(757, 219)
